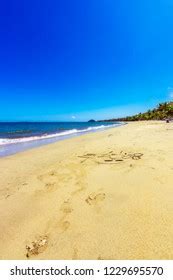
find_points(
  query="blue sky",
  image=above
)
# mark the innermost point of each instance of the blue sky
(76, 60)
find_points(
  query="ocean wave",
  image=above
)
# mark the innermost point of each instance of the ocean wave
(6, 141)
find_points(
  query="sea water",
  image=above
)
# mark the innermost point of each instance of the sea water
(20, 136)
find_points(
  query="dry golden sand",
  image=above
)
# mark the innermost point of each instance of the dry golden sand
(106, 195)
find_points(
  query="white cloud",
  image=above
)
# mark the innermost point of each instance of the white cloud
(73, 117)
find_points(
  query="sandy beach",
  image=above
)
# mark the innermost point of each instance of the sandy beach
(104, 195)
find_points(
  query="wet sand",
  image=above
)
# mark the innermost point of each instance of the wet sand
(105, 195)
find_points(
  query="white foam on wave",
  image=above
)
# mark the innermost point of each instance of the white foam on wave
(6, 141)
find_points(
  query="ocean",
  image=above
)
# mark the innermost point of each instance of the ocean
(19, 136)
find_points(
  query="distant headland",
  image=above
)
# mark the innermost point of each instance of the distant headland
(91, 121)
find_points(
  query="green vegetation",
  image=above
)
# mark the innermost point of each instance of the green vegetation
(162, 112)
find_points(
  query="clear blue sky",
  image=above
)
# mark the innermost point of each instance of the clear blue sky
(65, 60)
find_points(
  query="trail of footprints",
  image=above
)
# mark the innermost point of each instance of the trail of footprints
(53, 180)
(40, 244)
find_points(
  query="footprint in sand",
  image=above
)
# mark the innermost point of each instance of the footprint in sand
(52, 173)
(63, 226)
(101, 258)
(45, 176)
(50, 187)
(75, 254)
(94, 199)
(37, 247)
(66, 207)
(4, 193)
(54, 176)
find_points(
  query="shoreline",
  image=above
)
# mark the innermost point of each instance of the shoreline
(14, 146)
(103, 195)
